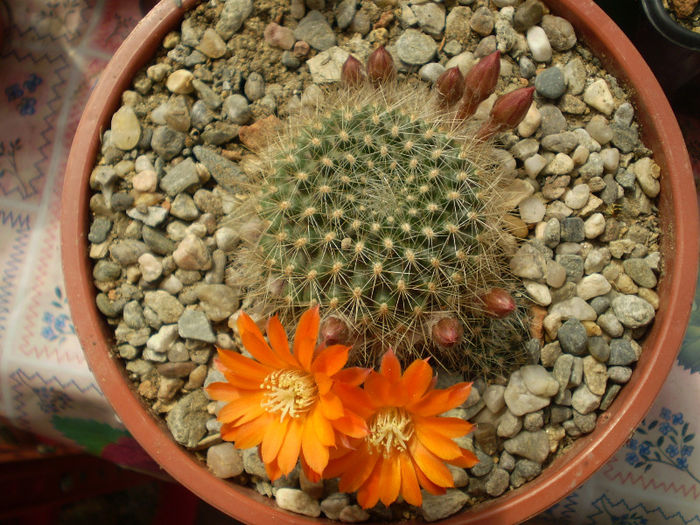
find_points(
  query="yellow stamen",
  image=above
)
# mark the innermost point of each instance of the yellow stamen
(289, 392)
(390, 430)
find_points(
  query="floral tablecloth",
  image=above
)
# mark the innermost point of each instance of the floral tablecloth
(51, 56)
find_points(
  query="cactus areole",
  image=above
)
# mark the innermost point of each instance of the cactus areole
(383, 208)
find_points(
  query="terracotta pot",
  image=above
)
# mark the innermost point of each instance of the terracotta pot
(679, 226)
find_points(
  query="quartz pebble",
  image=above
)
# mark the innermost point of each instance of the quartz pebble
(224, 460)
(539, 44)
(297, 501)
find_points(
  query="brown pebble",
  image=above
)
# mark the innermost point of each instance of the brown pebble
(537, 315)
(386, 18)
(255, 136)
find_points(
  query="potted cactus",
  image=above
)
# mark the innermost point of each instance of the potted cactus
(379, 223)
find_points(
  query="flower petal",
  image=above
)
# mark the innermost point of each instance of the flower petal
(312, 476)
(390, 367)
(435, 442)
(410, 490)
(390, 476)
(354, 399)
(313, 451)
(450, 427)
(233, 410)
(306, 337)
(235, 363)
(273, 471)
(241, 382)
(250, 434)
(379, 389)
(273, 439)
(331, 360)
(416, 380)
(222, 392)
(427, 484)
(354, 376)
(358, 467)
(439, 401)
(322, 427)
(289, 451)
(255, 343)
(467, 460)
(331, 405)
(351, 425)
(368, 494)
(279, 342)
(434, 469)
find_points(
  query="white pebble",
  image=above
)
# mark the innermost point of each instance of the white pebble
(297, 501)
(145, 181)
(539, 44)
(151, 268)
(532, 210)
(594, 225)
(577, 197)
(561, 164)
(180, 82)
(531, 122)
(539, 293)
(611, 159)
(535, 164)
(143, 163)
(598, 96)
(647, 173)
(592, 286)
(126, 129)
(224, 460)
(580, 155)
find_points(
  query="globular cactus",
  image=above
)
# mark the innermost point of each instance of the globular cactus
(384, 207)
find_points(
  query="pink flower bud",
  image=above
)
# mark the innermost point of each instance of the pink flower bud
(450, 86)
(352, 74)
(479, 84)
(498, 303)
(380, 66)
(507, 112)
(334, 331)
(447, 332)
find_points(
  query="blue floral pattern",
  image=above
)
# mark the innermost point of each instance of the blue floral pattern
(57, 325)
(671, 447)
(27, 104)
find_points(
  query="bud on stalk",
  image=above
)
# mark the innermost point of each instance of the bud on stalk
(380, 66)
(334, 331)
(450, 86)
(498, 303)
(507, 112)
(447, 332)
(352, 74)
(479, 84)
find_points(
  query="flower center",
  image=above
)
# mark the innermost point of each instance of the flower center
(390, 429)
(289, 392)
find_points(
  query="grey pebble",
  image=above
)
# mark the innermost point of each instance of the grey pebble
(572, 337)
(193, 324)
(527, 67)
(563, 142)
(225, 172)
(167, 307)
(619, 374)
(431, 18)
(609, 396)
(573, 264)
(344, 13)
(599, 348)
(206, 94)
(572, 230)
(106, 271)
(127, 251)
(109, 307)
(524, 471)
(167, 142)
(527, 15)
(632, 311)
(237, 109)
(415, 48)
(99, 229)
(316, 31)
(624, 114)
(640, 272)
(559, 31)
(254, 88)
(553, 121)
(232, 16)
(585, 422)
(180, 177)
(622, 353)
(289, 60)
(201, 115)
(482, 21)
(484, 465)
(183, 207)
(431, 72)
(624, 138)
(188, 418)
(497, 482)
(550, 83)
(156, 241)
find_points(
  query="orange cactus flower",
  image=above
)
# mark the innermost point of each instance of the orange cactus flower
(408, 442)
(290, 404)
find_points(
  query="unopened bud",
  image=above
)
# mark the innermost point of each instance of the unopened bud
(380, 66)
(334, 331)
(352, 74)
(498, 303)
(479, 83)
(507, 112)
(450, 86)
(447, 332)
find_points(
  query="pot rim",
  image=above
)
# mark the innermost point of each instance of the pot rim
(668, 27)
(568, 470)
